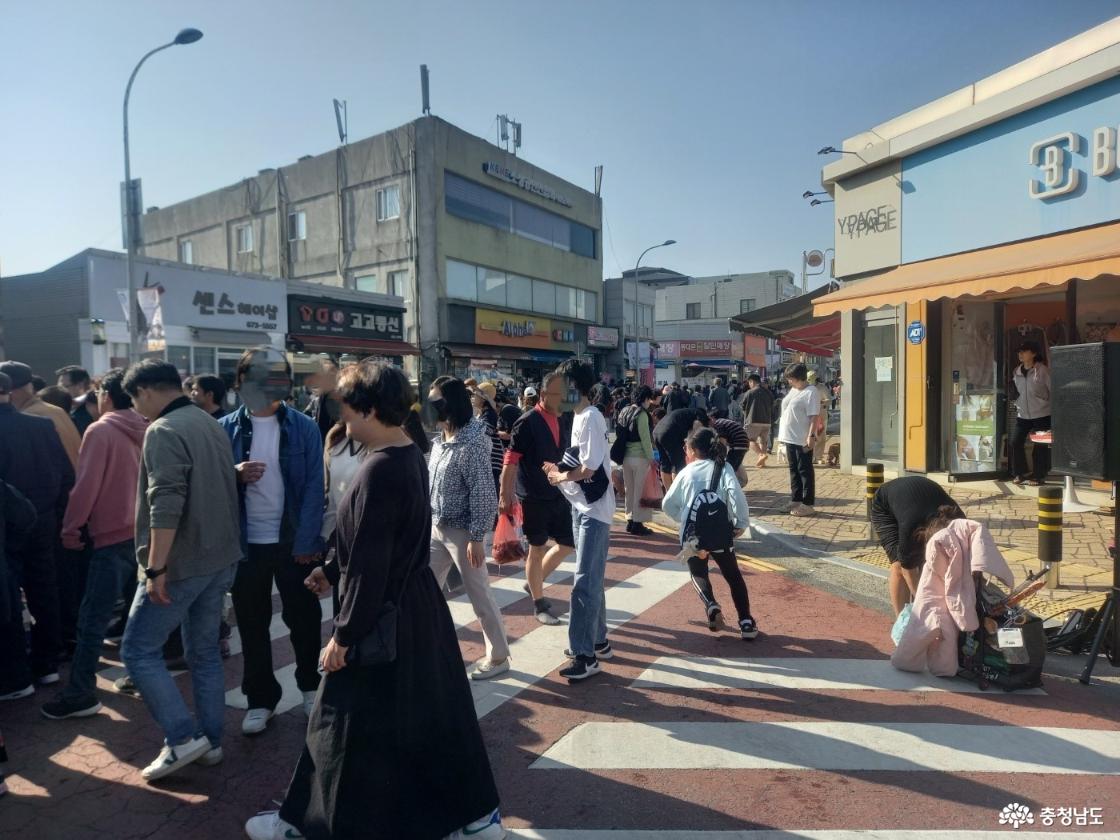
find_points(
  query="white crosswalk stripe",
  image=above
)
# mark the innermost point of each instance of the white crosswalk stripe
(797, 673)
(831, 745)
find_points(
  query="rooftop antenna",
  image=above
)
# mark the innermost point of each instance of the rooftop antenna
(342, 119)
(427, 104)
(516, 137)
(503, 131)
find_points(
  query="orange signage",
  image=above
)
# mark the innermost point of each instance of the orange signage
(506, 329)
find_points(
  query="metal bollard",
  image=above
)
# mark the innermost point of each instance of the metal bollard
(874, 482)
(1050, 532)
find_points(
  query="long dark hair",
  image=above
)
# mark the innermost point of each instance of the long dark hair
(706, 443)
(945, 514)
(416, 431)
(458, 399)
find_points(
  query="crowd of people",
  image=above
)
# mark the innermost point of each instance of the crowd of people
(130, 507)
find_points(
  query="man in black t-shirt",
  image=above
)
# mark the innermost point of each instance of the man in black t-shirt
(537, 439)
(669, 436)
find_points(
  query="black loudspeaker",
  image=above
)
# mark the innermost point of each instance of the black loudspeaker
(1085, 410)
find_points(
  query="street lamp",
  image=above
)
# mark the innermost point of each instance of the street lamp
(816, 202)
(185, 36)
(810, 194)
(832, 150)
(637, 326)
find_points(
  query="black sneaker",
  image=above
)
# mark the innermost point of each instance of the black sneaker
(602, 651)
(61, 709)
(748, 629)
(640, 530)
(125, 685)
(715, 618)
(581, 668)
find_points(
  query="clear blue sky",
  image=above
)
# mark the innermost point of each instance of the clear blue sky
(705, 114)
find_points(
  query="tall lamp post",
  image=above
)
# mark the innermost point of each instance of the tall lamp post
(185, 36)
(637, 326)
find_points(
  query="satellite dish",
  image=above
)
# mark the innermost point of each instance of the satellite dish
(813, 259)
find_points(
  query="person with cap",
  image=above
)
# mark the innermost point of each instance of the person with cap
(33, 461)
(529, 399)
(482, 399)
(822, 418)
(1031, 378)
(25, 399)
(279, 458)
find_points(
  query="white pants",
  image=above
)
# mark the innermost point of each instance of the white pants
(635, 468)
(449, 545)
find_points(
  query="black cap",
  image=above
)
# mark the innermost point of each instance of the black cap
(5, 383)
(18, 374)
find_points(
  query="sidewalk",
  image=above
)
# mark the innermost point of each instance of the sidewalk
(840, 528)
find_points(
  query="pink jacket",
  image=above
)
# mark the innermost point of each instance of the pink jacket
(104, 494)
(945, 603)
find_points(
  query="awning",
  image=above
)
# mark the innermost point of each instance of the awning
(341, 344)
(1049, 261)
(793, 323)
(513, 354)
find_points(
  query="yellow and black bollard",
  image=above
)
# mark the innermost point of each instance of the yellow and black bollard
(1050, 532)
(874, 482)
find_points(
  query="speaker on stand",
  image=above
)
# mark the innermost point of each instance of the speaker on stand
(1085, 419)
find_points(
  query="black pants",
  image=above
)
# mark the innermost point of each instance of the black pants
(802, 479)
(735, 458)
(252, 601)
(731, 572)
(31, 563)
(1019, 435)
(73, 568)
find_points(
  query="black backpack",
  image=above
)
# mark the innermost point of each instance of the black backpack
(709, 520)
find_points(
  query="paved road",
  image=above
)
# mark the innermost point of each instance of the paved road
(805, 732)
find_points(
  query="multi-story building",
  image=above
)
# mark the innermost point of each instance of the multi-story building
(498, 262)
(691, 331)
(628, 310)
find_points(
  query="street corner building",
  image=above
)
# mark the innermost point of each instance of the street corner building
(963, 228)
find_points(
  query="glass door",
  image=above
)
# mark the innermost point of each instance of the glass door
(976, 396)
(882, 421)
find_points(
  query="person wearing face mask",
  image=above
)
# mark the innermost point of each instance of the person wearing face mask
(464, 505)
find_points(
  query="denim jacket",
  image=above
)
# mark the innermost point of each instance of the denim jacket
(301, 462)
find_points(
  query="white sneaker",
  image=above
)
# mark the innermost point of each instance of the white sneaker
(48, 679)
(487, 670)
(211, 757)
(255, 721)
(309, 702)
(802, 510)
(487, 828)
(171, 759)
(19, 693)
(267, 825)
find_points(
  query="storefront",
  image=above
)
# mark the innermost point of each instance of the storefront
(700, 362)
(977, 240)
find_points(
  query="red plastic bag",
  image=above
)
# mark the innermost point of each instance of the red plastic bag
(651, 490)
(509, 541)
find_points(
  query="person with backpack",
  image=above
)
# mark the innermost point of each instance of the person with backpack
(709, 503)
(635, 430)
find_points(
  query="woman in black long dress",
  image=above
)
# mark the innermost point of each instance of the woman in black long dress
(393, 750)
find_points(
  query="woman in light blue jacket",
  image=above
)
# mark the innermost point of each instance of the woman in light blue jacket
(705, 455)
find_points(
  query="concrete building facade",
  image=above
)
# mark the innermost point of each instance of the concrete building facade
(498, 262)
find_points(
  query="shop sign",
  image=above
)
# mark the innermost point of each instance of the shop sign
(602, 337)
(709, 349)
(508, 330)
(504, 173)
(669, 349)
(564, 336)
(868, 221)
(1054, 156)
(754, 350)
(344, 319)
(915, 332)
(190, 296)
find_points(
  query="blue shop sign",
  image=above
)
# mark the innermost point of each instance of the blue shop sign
(1050, 169)
(915, 332)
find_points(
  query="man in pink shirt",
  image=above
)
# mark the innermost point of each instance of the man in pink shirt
(104, 499)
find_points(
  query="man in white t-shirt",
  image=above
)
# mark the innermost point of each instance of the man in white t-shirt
(278, 454)
(798, 432)
(584, 479)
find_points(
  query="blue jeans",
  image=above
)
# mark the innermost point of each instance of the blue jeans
(587, 624)
(196, 603)
(110, 569)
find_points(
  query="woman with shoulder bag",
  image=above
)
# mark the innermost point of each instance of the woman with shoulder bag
(393, 745)
(639, 455)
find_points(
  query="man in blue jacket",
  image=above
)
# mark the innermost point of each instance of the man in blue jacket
(279, 458)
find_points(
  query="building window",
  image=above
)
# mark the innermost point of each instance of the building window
(462, 280)
(544, 297)
(746, 305)
(244, 239)
(186, 252)
(692, 310)
(366, 283)
(519, 292)
(396, 284)
(388, 203)
(491, 286)
(297, 226)
(202, 359)
(180, 357)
